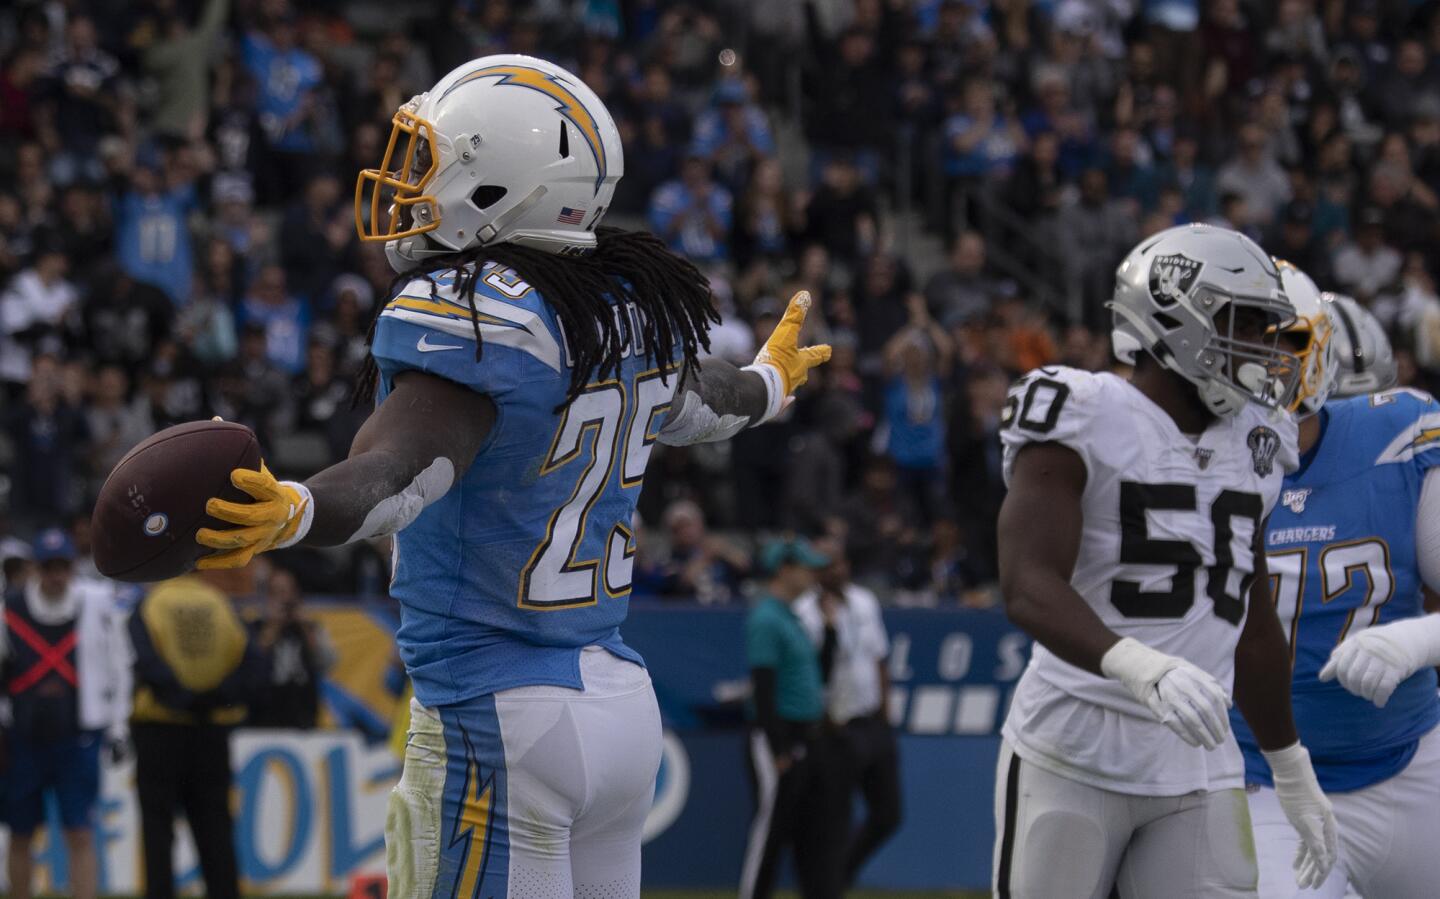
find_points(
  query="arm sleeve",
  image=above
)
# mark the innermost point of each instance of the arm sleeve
(715, 402)
(767, 718)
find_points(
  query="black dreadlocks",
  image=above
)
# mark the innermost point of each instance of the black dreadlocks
(671, 294)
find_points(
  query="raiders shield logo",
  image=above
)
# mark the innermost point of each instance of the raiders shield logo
(1294, 500)
(1203, 457)
(1264, 444)
(1171, 277)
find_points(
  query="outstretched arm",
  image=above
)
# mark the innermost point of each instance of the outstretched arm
(399, 463)
(717, 400)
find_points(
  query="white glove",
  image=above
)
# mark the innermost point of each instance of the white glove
(1308, 812)
(1184, 698)
(1372, 663)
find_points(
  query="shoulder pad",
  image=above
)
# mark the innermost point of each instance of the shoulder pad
(1406, 421)
(1054, 404)
(508, 311)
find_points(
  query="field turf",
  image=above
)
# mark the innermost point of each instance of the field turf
(730, 894)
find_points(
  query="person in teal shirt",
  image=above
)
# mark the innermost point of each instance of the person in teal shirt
(789, 753)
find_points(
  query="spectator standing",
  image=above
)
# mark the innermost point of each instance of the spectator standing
(115, 420)
(298, 657)
(917, 359)
(1366, 266)
(847, 99)
(66, 677)
(284, 318)
(1094, 232)
(843, 215)
(124, 320)
(180, 63)
(766, 219)
(152, 229)
(843, 620)
(1255, 175)
(733, 134)
(692, 214)
(791, 766)
(32, 309)
(982, 141)
(964, 289)
(83, 103)
(1296, 243)
(82, 227)
(317, 232)
(978, 488)
(195, 669)
(286, 78)
(19, 83)
(50, 438)
(252, 390)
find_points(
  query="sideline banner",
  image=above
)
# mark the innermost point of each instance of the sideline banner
(309, 814)
(952, 672)
(310, 807)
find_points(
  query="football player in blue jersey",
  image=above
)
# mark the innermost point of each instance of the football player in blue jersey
(1355, 537)
(524, 369)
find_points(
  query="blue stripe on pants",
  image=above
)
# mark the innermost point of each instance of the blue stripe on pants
(474, 830)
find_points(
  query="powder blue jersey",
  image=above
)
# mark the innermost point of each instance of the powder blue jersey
(528, 558)
(1341, 552)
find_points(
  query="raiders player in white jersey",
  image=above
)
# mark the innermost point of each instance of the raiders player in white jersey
(1128, 549)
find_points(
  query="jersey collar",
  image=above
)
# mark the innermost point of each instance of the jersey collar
(1313, 451)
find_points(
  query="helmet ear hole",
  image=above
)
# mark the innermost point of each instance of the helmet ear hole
(564, 140)
(1167, 321)
(487, 195)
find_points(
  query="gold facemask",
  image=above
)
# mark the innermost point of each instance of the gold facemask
(406, 183)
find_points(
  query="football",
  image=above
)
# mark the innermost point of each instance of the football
(152, 504)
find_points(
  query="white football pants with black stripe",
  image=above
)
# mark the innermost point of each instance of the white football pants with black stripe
(1056, 837)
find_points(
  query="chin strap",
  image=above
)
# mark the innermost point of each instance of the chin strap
(408, 252)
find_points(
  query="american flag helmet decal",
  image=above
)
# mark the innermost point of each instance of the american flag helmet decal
(570, 216)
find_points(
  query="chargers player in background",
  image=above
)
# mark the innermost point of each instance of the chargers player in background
(1129, 541)
(524, 368)
(1355, 538)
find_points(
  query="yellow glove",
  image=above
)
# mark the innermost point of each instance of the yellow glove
(782, 351)
(279, 516)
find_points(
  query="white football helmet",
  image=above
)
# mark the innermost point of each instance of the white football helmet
(505, 149)
(1315, 331)
(1366, 361)
(1178, 296)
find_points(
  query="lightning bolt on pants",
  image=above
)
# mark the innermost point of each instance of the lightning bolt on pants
(535, 792)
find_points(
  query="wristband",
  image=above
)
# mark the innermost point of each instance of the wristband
(1288, 763)
(307, 514)
(774, 390)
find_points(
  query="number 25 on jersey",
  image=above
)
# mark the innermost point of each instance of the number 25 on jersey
(621, 426)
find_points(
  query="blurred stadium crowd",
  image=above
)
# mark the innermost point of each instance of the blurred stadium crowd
(953, 180)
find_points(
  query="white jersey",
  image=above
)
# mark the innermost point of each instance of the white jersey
(1165, 557)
